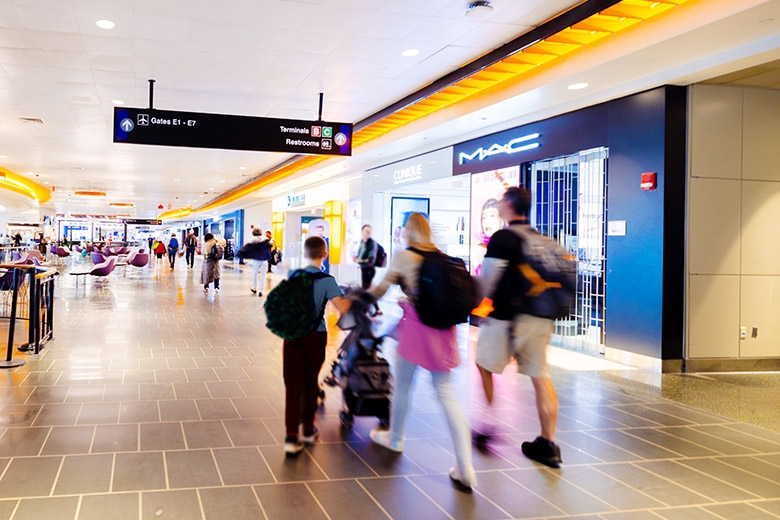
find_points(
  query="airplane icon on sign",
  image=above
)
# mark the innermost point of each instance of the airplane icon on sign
(143, 119)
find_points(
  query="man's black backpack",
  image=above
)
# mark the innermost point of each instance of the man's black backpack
(289, 307)
(549, 275)
(381, 256)
(446, 293)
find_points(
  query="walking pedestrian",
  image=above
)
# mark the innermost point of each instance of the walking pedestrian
(419, 343)
(173, 249)
(512, 331)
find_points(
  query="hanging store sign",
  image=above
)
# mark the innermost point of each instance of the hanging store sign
(200, 130)
(423, 168)
(296, 201)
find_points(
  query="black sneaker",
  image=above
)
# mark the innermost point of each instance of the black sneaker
(310, 436)
(481, 439)
(543, 451)
(292, 446)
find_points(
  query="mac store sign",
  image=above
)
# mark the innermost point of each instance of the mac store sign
(422, 168)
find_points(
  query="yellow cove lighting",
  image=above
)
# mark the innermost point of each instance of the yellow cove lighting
(23, 186)
(89, 193)
(121, 204)
(601, 25)
(175, 213)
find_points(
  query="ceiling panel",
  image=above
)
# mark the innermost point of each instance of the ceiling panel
(256, 57)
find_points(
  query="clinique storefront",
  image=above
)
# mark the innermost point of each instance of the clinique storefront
(421, 184)
(608, 183)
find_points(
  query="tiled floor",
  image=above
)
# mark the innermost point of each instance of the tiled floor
(156, 400)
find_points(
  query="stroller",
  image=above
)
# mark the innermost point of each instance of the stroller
(359, 370)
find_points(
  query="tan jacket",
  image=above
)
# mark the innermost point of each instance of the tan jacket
(403, 271)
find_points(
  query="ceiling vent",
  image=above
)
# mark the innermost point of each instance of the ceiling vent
(479, 9)
(33, 120)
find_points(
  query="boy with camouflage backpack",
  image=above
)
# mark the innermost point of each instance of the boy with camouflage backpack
(295, 312)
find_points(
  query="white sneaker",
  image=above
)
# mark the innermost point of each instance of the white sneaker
(382, 437)
(460, 480)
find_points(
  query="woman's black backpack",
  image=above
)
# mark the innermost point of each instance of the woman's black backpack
(446, 292)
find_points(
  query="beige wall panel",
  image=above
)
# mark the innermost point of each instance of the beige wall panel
(714, 226)
(716, 132)
(713, 317)
(761, 135)
(761, 309)
(760, 228)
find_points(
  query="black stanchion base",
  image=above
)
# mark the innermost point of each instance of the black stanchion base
(13, 363)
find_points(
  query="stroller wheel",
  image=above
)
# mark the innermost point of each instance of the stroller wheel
(320, 397)
(347, 419)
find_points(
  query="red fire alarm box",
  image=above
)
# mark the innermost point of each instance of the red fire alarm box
(648, 181)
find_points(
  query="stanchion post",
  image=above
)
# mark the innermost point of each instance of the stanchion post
(9, 361)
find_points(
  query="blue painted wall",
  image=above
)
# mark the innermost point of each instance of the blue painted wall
(644, 133)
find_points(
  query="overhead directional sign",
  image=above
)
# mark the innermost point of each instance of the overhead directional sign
(142, 221)
(261, 134)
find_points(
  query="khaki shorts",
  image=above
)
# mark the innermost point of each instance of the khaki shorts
(525, 338)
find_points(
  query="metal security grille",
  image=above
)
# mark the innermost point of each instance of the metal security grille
(570, 206)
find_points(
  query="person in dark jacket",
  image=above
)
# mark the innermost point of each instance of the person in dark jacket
(366, 260)
(191, 243)
(259, 250)
(270, 238)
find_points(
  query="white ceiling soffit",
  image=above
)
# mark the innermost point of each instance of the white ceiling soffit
(266, 58)
(701, 40)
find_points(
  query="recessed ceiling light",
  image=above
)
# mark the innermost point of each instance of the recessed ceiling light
(105, 24)
(176, 179)
(578, 86)
(410, 52)
(3, 157)
(242, 167)
(46, 182)
(212, 189)
(222, 181)
(117, 102)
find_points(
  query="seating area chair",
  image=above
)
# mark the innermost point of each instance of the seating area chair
(7, 280)
(77, 248)
(97, 258)
(34, 253)
(104, 269)
(23, 259)
(61, 252)
(139, 260)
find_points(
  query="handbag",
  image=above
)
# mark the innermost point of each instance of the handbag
(433, 349)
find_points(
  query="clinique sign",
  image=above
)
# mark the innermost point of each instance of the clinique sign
(408, 174)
